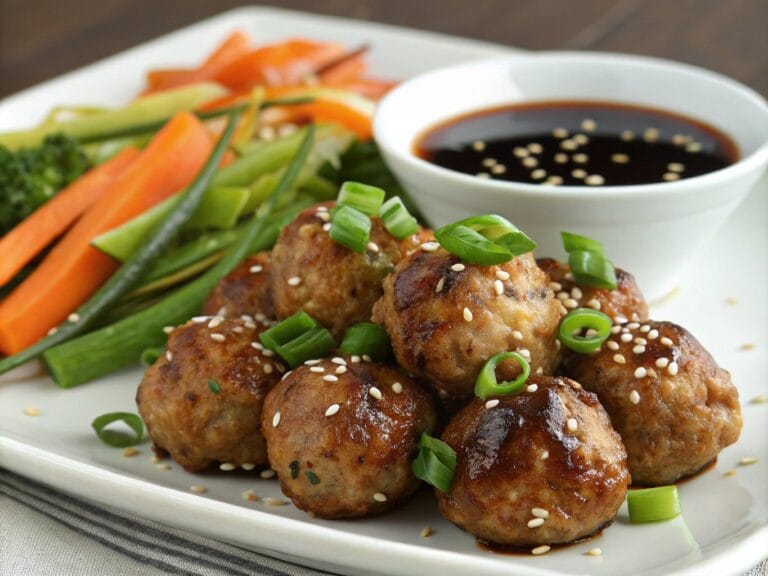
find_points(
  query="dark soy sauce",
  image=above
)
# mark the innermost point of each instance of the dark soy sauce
(577, 143)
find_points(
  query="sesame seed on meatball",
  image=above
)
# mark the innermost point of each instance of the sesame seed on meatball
(247, 290)
(673, 406)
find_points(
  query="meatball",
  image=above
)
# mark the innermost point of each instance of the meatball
(341, 436)
(624, 303)
(446, 318)
(674, 408)
(540, 467)
(333, 284)
(247, 290)
(202, 400)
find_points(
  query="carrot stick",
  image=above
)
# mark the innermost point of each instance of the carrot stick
(348, 70)
(321, 111)
(373, 88)
(73, 270)
(30, 236)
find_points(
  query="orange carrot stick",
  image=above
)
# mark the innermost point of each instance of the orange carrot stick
(73, 270)
(45, 224)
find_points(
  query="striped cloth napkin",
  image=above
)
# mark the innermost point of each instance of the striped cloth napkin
(44, 532)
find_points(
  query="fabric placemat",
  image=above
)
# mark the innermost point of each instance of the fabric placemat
(46, 533)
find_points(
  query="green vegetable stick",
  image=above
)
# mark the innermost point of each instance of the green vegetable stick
(120, 344)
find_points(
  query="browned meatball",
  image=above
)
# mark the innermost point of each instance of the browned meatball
(247, 290)
(328, 281)
(202, 400)
(534, 468)
(624, 303)
(674, 408)
(341, 436)
(445, 318)
(412, 243)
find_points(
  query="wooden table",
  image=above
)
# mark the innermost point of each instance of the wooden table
(43, 38)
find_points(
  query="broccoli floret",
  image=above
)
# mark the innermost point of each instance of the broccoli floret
(30, 177)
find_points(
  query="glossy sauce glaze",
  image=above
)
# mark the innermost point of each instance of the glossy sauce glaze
(577, 143)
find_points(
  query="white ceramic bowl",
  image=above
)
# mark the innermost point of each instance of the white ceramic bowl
(650, 230)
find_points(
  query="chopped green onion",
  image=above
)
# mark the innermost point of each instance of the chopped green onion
(580, 320)
(312, 477)
(573, 242)
(367, 338)
(486, 383)
(213, 386)
(294, 468)
(367, 199)
(150, 355)
(117, 438)
(298, 338)
(396, 218)
(351, 228)
(435, 462)
(486, 240)
(592, 269)
(653, 504)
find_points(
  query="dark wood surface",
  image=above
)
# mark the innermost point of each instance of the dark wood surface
(40, 39)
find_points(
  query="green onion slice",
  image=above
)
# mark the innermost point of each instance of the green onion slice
(150, 355)
(396, 218)
(486, 240)
(573, 242)
(351, 228)
(367, 338)
(214, 386)
(298, 338)
(367, 199)
(580, 320)
(653, 504)
(118, 438)
(435, 463)
(592, 269)
(486, 384)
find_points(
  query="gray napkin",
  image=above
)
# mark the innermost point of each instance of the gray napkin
(46, 533)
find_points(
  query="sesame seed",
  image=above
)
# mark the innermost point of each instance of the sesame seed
(651, 134)
(73, 318)
(498, 287)
(375, 392)
(498, 169)
(226, 466)
(458, 267)
(619, 320)
(168, 329)
(576, 292)
(672, 368)
(535, 522)
(248, 466)
(615, 329)
(467, 313)
(366, 358)
(594, 552)
(327, 227)
(287, 374)
(130, 452)
(330, 378)
(520, 152)
(324, 216)
(675, 167)
(267, 474)
(593, 303)
(341, 370)
(267, 352)
(619, 359)
(612, 345)
(332, 409)
(502, 274)
(256, 269)
(556, 286)
(339, 360)
(427, 531)
(554, 180)
(379, 497)
(680, 139)
(322, 208)
(638, 349)
(594, 180)
(748, 346)
(634, 397)
(539, 550)
(215, 322)
(535, 148)
(570, 303)
(572, 424)
(633, 325)
(488, 162)
(579, 173)
(627, 135)
(588, 125)
(355, 359)
(530, 162)
(580, 158)
(662, 362)
(525, 353)
(626, 337)
(538, 174)
(532, 387)
(641, 372)
(568, 145)
(619, 158)
(478, 145)
(397, 388)
(693, 147)
(55, 329)
(544, 455)
(216, 337)
(163, 466)
(561, 158)
(430, 246)
(250, 495)
(560, 133)
(670, 176)
(197, 488)
(267, 368)
(747, 460)
(373, 247)
(540, 513)
(275, 419)
(483, 175)
(294, 281)
(440, 284)
(760, 399)
(492, 403)
(312, 362)
(562, 295)
(730, 473)
(664, 340)
(275, 501)
(238, 330)
(318, 369)
(517, 335)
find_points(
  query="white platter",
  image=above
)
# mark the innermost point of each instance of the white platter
(724, 528)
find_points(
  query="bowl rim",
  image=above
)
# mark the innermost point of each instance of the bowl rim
(694, 184)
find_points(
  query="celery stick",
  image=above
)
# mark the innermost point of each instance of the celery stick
(148, 109)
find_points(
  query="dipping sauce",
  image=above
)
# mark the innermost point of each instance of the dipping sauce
(577, 143)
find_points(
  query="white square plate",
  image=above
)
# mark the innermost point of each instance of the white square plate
(724, 527)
